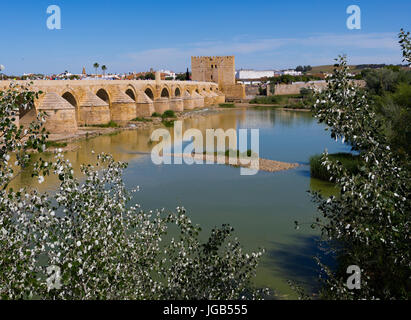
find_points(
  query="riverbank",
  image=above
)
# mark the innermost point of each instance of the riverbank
(145, 123)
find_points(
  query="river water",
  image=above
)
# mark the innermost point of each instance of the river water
(261, 208)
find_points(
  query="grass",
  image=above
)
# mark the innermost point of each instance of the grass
(110, 124)
(227, 105)
(349, 161)
(55, 144)
(327, 69)
(139, 119)
(280, 100)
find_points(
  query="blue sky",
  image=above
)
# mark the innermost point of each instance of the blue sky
(134, 35)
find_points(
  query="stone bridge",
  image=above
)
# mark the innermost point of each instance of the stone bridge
(73, 103)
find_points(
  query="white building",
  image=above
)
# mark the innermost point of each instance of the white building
(254, 74)
(249, 76)
(292, 72)
(169, 73)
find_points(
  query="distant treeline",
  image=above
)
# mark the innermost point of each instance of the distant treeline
(376, 66)
(288, 79)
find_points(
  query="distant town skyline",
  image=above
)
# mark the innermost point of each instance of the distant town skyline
(130, 36)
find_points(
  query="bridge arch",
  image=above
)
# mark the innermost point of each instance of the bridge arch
(131, 93)
(149, 92)
(70, 98)
(103, 95)
(165, 93)
(177, 92)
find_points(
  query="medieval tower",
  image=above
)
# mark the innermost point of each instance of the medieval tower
(214, 69)
(220, 70)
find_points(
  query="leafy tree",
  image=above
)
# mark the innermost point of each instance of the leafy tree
(149, 76)
(405, 43)
(368, 224)
(102, 247)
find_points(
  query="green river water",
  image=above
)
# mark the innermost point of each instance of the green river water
(262, 208)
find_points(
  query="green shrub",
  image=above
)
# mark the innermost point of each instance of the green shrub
(267, 100)
(349, 161)
(227, 105)
(169, 114)
(156, 115)
(168, 123)
(281, 100)
(110, 124)
(139, 119)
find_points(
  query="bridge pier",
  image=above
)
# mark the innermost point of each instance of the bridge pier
(123, 108)
(188, 101)
(144, 105)
(93, 110)
(161, 105)
(198, 100)
(177, 104)
(61, 115)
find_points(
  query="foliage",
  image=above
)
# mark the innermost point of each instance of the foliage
(168, 123)
(149, 76)
(269, 100)
(303, 68)
(110, 124)
(262, 91)
(288, 79)
(102, 247)
(385, 79)
(405, 43)
(292, 101)
(368, 223)
(227, 105)
(156, 115)
(390, 88)
(140, 119)
(306, 92)
(168, 114)
(349, 161)
(394, 109)
(183, 76)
